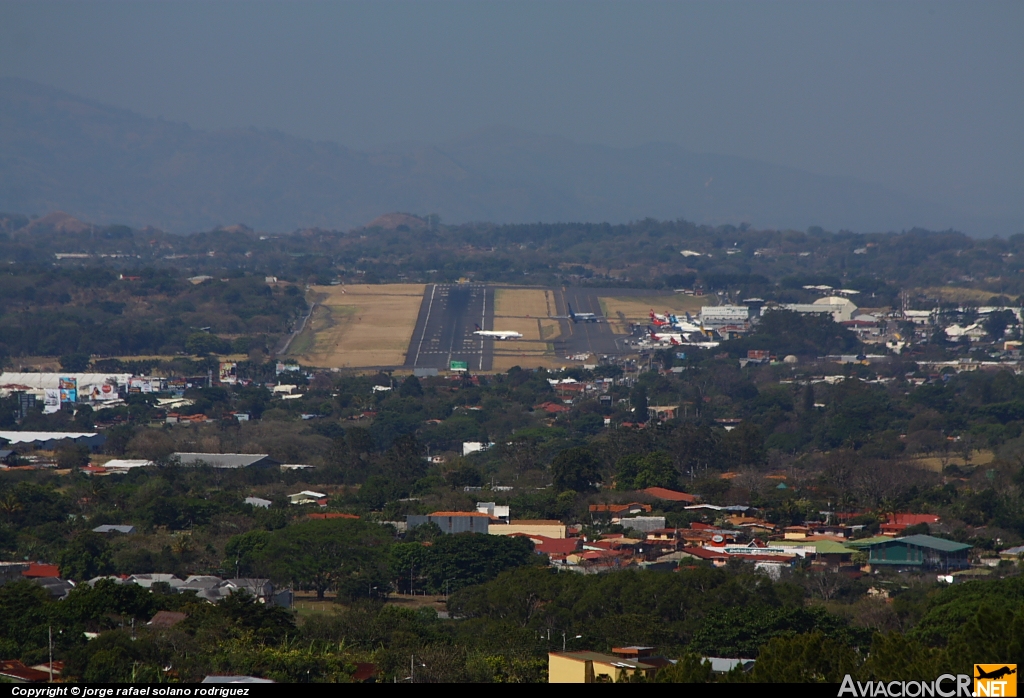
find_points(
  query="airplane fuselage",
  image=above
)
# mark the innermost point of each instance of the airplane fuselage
(498, 334)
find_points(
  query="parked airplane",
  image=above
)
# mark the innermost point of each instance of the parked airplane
(583, 317)
(497, 334)
(681, 339)
(690, 324)
(666, 336)
(660, 320)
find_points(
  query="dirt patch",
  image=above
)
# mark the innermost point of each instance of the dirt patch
(621, 311)
(934, 463)
(549, 329)
(416, 602)
(955, 294)
(360, 326)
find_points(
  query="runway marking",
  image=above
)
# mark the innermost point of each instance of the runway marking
(483, 320)
(426, 323)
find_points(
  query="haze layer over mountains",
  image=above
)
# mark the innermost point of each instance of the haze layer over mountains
(109, 165)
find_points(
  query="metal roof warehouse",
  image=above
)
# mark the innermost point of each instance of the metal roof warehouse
(920, 551)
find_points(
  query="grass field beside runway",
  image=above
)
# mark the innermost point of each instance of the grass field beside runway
(526, 310)
(359, 326)
(523, 302)
(525, 355)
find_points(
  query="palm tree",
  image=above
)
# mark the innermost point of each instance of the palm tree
(9, 505)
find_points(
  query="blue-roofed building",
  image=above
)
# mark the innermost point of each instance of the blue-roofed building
(1014, 553)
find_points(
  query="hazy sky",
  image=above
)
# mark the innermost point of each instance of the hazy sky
(927, 98)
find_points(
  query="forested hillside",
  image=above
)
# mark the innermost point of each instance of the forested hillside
(59, 151)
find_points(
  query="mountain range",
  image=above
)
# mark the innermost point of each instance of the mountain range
(105, 164)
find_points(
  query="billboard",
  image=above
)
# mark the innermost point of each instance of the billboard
(227, 372)
(458, 366)
(140, 385)
(51, 400)
(98, 393)
(68, 389)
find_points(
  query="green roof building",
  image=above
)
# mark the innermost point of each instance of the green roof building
(921, 552)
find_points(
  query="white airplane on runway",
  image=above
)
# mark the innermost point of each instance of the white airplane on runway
(497, 334)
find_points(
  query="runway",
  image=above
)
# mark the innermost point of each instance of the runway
(449, 312)
(445, 326)
(585, 337)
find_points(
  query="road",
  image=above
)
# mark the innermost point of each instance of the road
(444, 329)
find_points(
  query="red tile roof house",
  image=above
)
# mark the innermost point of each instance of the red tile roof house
(898, 522)
(41, 569)
(553, 408)
(15, 671)
(552, 546)
(719, 559)
(716, 558)
(706, 534)
(670, 495)
(617, 510)
(166, 619)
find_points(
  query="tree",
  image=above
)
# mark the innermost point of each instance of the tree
(151, 444)
(787, 332)
(320, 555)
(455, 561)
(84, 418)
(807, 658)
(404, 461)
(808, 398)
(74, 363)
(746, 443)
(267, 623)
(72, 456)
(465, 474)
(246, 551)
(691, 668)
(896, 657)
(520, 451)
(575, 469)
(411, 387)
(996, 323)
(87, 556)
(200, 343)
(634, 472)
(638, 400)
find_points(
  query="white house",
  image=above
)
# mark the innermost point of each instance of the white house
(306, 497)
